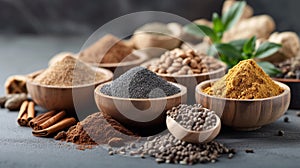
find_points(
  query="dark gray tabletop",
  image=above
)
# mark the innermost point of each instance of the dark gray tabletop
(18, 148)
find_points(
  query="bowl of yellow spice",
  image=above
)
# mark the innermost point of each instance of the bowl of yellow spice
(246, 98)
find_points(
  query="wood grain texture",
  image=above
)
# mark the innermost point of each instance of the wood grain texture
(70, 98)
(191, 81)
(245, 114)
(139, 113)
(193, 136)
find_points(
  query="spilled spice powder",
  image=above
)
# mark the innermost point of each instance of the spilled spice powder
(246, 80)
(109, 49)
(68, 71)
(97, 129)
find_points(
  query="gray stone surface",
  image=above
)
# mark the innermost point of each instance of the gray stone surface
(18, 148)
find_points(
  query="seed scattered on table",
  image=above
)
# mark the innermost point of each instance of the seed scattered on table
(249, 151)
(286, 119)
(280, 133)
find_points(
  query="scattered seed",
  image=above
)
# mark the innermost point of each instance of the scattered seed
(280, 133)
(286, 119)
(230, 155)
(249, 151)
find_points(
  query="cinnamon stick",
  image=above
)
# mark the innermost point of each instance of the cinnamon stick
(61, 125)
(23, 121)
(30, 111)
(51, 121)
(22, 112)
(40, 117)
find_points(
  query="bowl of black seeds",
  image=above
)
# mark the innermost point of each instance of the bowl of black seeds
(139, 99)
(193, 123)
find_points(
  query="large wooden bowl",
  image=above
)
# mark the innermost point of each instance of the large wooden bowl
(76, 100)
(145, 116)
(245, 114)
(294, 85)
(119, 68)
(191, 81)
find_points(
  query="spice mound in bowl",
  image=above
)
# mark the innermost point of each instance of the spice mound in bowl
(139, 99)
(291, 76)
(186, 67)
(193, 123)
(67, 84)
(246, 98)
(112, 53)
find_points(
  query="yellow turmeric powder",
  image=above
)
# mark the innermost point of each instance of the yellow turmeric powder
(246, 80)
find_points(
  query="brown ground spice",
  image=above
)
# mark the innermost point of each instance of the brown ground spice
(97, 129)
(109, 49)
(68, 71)
(246, 80)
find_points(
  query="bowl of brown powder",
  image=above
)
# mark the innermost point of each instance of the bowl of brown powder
(139, 99)
(68, 84)
(112, 53)
(246, 98)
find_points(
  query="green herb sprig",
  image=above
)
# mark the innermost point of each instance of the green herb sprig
(220, 24)
(235, 51)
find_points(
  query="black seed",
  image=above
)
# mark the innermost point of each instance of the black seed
(280, 133)
(286, 119)
(249, 151)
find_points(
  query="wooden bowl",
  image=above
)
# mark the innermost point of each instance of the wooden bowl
(145, 116)
(294, 85)
(119, 68)
(76, 100)
(191, 81)
(245, 115)
(184, 134)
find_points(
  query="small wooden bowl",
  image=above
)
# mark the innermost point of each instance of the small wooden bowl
(119, 68)
(294, 85)
(184, 134)
(77, 100)
(191, 81)
(245, 115)
(146, 116)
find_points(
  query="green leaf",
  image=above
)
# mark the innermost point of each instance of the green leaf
(249, 46)
(217, 23)
(238, 44)
(234, 13)
(269, 68)
(266, 49)
(201, 30)
(233, 56)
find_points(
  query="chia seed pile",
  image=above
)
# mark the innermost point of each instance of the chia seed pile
(193, 117)
(139, 82)
(168, 149)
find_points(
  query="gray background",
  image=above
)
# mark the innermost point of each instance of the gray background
(69, 17)
(32, 31)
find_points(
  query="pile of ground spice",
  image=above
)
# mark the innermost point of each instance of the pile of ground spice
(246, 80)
(139, 82)
(97, 129)
(109, 49)
(68, 71)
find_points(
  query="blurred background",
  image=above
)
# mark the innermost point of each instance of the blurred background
(81, 17)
